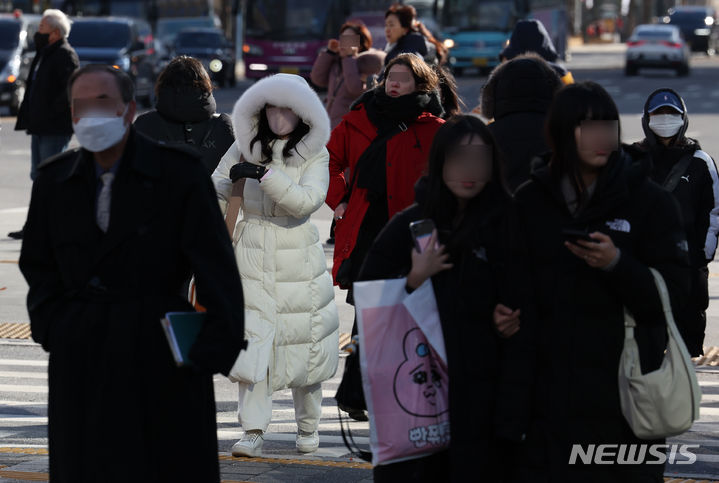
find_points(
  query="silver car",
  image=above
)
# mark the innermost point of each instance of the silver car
(659, 47)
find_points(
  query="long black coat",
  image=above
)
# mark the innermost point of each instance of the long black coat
(466, 297)
(45, 109)
(580, 323)
(95, 303)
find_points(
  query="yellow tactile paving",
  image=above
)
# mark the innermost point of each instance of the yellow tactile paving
(14, 330)
(14, 450)
(297, 461)
(24, 475)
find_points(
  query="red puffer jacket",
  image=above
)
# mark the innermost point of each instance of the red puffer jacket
(407, 154)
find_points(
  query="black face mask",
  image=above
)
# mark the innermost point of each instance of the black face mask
(41, 40)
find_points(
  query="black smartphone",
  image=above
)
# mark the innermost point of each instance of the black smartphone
(572, 235)
(421, 233)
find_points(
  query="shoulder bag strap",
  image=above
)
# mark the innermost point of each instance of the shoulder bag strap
(677, 171)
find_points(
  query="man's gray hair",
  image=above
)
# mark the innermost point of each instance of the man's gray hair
(57, 19)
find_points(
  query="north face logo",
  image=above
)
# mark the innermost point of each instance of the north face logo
(619, 225)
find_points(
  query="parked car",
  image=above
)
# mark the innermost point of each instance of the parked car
(16, 54)
(120, 42)
(211, 48)
(698, 25)
(167, 28)
(657, 46)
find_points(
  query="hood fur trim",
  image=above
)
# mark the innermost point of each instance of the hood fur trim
(282, 90)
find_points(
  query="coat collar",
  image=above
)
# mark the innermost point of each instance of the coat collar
(139, 155)
(613, 185)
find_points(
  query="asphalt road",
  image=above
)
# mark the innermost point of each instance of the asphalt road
(23, 386)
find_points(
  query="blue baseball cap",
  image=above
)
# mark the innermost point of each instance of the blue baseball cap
(665, 98)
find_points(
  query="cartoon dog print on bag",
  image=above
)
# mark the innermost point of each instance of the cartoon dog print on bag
(420, 381)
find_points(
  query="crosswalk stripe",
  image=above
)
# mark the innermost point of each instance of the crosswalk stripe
(225, 434)
(22, 418)
(23, 388)
(23, 362)
(23, 375)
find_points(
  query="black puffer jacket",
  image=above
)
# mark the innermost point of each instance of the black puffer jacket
(580, 321)
(45, 110)
(188, 117)
(412, 43)
(466, 296)
(517, 96)
(698, 196)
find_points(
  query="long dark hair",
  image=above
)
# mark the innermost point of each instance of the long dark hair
(440, 204)
(425, 77)
(451, 102)
(266, 137)
(573, 104)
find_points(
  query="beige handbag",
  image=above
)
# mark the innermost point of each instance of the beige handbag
(664, 402)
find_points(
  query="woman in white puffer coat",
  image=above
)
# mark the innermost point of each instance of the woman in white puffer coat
(281, 128)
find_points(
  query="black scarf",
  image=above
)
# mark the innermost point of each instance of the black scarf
(390, 115)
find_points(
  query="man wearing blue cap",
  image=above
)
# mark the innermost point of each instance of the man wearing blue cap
(679, 164)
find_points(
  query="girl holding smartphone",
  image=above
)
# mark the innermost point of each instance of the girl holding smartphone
(464, 198)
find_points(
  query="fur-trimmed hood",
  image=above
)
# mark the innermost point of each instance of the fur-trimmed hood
(282, 90)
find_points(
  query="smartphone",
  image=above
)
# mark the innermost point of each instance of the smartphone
(573, 235)
(421, 233)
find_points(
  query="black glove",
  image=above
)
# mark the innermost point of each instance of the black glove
(247, 170)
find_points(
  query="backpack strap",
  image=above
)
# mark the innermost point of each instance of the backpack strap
(677, 171)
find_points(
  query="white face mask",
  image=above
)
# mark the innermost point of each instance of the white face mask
(100, 133)
(666, 125)
(282, 120)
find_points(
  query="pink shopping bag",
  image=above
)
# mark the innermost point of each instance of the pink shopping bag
(404, 370)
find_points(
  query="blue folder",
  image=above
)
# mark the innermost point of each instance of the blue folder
(181, 330)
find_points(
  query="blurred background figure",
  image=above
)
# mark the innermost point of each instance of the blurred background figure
(531, 36)
(517, 96)
(186, 112)
(345, 67)
(406, 35)
(45, 109)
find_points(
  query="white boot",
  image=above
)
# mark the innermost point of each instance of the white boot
(250, 444)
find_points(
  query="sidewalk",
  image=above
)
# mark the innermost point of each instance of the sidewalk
(32, 464)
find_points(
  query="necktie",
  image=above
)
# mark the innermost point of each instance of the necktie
(103, 202)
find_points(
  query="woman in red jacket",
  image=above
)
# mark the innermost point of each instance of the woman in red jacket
(384, 141)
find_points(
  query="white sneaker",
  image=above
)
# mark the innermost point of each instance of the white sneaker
(307, 442)
(250, 444)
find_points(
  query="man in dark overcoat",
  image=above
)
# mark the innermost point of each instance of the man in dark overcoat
(113, 231)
